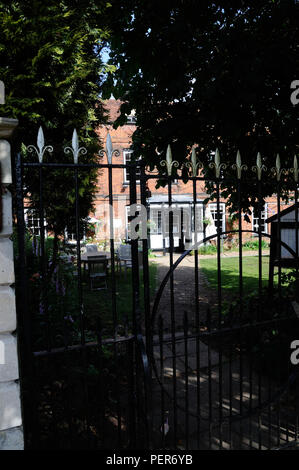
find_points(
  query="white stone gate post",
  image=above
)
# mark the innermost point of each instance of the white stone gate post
(11, 434)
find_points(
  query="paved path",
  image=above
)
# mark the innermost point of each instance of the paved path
(216, 379)
(184, 292)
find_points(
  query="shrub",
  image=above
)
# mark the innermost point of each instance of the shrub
(207, 250)
(253, 244)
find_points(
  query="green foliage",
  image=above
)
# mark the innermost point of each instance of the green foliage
(55, 310)
(290, 280)
(151, 254)
(207, 250)
(218, 78)
(253, 244)
(51, 65)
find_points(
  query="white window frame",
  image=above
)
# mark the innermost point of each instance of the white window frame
(131, 119)
(26, 217)
(125, 153)
(213, 207)
(264, 216)
(157, 230)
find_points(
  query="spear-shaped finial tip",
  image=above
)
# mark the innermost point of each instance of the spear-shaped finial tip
(109, 148)
(238, 158)
(278, 162)
(40, 139)
(259, 159)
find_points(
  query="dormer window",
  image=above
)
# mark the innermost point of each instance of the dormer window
(131, 119)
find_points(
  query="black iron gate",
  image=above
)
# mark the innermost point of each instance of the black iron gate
(108, 369)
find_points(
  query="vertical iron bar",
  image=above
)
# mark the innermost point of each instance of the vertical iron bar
(80, 300)
(101, 422)
(112, 252)
(259, 306)
(197, 322)
(173, 321)
(28, 390)
(230, 373)
(240, 307)
(186, 380)
(146, 277)
(240, 246)
(79, 276)
(113, 297)
(43, 262)
(136, 305)
(209, 377)
(279, 237)
(132, 395)
(250, 310)
(278, 252)
(161, 352)
(219, 290)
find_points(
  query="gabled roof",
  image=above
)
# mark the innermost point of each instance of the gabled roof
(282, 213)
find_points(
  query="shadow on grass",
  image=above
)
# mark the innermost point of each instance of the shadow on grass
(230, 273)
(99, 304)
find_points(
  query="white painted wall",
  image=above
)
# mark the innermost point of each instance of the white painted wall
(11, 435)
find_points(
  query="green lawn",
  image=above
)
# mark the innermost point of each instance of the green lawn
(230, 273)
(98, 304)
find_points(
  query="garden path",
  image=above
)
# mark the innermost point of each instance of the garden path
(261, 430)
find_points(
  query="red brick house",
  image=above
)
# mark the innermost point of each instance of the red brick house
(182, 193)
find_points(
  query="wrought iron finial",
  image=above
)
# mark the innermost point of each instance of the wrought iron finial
(238, 166)
(75, 149)
(217, 165)
(277, 170)
(168, 162)
(294, 170)
(259, 167)
(108, 151)
(109, 148)
(195, 164)
(40, 148)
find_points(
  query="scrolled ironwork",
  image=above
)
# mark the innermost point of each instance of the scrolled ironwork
(238, 166)
(75, 150)
(259, 167)
(169, 163)
(277, 170)
(194, 164)
(109, 151)
(217, 165)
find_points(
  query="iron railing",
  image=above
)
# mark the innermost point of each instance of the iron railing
(138, 372)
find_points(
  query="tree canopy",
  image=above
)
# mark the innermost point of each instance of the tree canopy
(50, 62)
(215, 74)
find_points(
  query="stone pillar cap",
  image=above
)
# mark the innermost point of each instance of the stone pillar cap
(7, 126)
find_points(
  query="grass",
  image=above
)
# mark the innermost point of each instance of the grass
(230, 273)
(98, 304)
